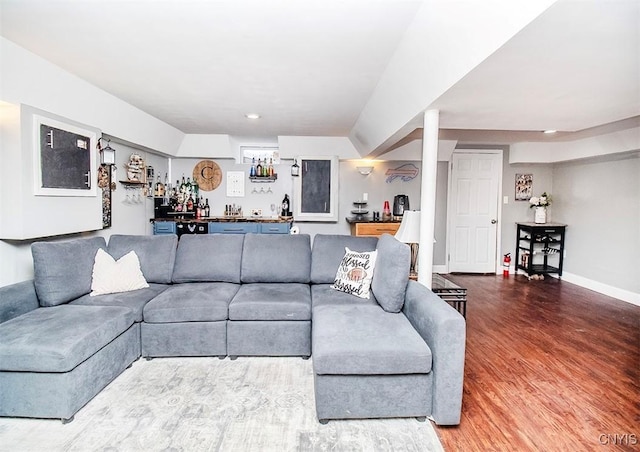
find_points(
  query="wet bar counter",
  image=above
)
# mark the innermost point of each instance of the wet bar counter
(222, 225)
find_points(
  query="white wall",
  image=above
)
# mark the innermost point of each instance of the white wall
(521, 211)
(599, 199)
(22, 212)
(28, 79)
(16, 263)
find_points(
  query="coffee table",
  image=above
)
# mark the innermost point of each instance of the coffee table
(450, 292)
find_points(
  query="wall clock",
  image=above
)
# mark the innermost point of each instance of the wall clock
(208, 175)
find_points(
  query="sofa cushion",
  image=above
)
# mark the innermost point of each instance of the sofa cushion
(208, 257)
(275, 258)
(392, 273)
(134, 300)
(366, 340)
(191, 302)
(268, 301)
(355, 273)
(157, 254)
(59, 338)
(328, 251)
(62, 270)
(111, 276)
(323, 294)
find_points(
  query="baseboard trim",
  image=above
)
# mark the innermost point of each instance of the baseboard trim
(440, 269)
(611, 291)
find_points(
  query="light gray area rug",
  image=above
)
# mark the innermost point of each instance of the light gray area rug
(207, 404)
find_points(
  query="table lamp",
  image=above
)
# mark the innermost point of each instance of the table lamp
(409, 232)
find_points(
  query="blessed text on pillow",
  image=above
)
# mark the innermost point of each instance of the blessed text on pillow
(111, 276)
(355, 272)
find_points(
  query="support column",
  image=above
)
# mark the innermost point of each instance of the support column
(431, 128)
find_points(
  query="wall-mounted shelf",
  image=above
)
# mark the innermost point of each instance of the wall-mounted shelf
(263, 178)
(132, 183)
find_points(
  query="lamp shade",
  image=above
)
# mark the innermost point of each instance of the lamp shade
(409, 231)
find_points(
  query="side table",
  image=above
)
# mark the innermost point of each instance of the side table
(450, 292)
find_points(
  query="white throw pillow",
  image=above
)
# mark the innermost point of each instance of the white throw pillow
(111, 276)
(356, 272)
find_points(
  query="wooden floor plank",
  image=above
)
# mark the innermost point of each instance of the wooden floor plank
(549, 366)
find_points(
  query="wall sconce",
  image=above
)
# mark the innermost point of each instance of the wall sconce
(364, 170)
(107, 154)
(295, 168)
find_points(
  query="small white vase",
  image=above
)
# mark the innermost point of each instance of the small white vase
(540, 215)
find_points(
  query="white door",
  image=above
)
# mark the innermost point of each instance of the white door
(475, 179)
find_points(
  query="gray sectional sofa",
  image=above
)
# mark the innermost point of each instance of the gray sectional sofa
(399, 353)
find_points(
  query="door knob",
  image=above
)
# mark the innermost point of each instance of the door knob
(494, 221)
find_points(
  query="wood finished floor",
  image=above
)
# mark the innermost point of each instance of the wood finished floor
(550, 366)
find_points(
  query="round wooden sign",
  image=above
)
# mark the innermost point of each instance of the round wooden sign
(208, 175)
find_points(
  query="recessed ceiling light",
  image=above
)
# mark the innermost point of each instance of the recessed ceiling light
(252, 116)
(550, 131)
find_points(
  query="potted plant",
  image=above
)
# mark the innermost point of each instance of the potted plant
(540, 203)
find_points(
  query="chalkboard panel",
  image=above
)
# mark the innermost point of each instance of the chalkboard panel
(65, 159)
(316, 186)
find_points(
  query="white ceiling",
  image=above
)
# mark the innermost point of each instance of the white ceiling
(575, 67)
(309, 67)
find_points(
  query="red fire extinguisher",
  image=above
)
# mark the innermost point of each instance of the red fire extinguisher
(506, 263)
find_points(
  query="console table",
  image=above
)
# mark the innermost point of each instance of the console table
(450, 292)
(369, 228)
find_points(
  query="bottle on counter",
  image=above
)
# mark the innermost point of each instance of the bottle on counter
(386, 212)
(207, 209)
(285, 206)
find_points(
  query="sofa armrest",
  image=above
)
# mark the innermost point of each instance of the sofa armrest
(17, 299)
(444, 330)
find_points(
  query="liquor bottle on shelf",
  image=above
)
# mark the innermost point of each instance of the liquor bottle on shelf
(252, 171)
(207, 209)
(259, 168)
(159, 188)
(195, 188)
(189, 204)
(270, 171)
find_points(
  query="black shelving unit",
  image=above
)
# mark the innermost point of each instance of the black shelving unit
(540, 248)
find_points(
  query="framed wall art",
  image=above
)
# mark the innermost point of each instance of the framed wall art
(65, 161)
(524, 185)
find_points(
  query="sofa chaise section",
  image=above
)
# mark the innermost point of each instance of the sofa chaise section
(381, 357)
(53, 360)
(368, 363)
